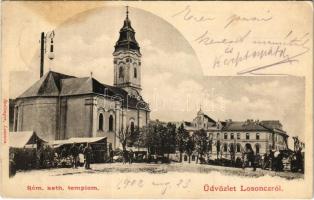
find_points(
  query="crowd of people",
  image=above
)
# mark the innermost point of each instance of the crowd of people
(79, 155)
(273, 160)
(47, 157)
(76, 155)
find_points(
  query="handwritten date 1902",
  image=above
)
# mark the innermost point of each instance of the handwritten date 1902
(163, 186)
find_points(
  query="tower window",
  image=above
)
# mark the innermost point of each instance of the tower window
(232, 136)
(127, 60)
(115, 61)
(120, 72)
(110, 123)
(139, 63)
(238, 136)
(226, 136)
(247, 136)
(135, 73)
(132, 127)
(100, 122)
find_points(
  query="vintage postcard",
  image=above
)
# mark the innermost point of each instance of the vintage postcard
(169, 99)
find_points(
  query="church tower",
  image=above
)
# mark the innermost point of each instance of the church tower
(127, 60)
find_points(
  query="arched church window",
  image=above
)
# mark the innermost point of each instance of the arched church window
(132, 127)
(110, 123)
(121, 72)
(135, 73)
(101, 122)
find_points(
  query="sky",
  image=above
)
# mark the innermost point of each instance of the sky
(172, 78)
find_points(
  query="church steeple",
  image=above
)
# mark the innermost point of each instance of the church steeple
(127, 59)
(127, 39)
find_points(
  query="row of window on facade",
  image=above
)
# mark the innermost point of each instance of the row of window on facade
(225, 149)
(237, 147)
(238, 135)
(121, 74)
(111, 123)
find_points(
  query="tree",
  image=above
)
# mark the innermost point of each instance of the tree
(181, 140)
(127, 137)
(189, 147)
(170, 138)
(124, 137)
(159, 137)
(201, 143)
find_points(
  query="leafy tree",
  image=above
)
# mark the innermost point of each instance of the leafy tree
(159, 137)
(201, 143)
(181, 140)
(190, 146)
(169, 140)
(150, 139)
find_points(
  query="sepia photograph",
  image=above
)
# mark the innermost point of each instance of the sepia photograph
(148, 100)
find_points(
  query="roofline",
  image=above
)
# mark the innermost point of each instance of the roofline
(93, 93)
(274, 130)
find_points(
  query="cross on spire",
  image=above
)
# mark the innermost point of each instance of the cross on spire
(127, 12)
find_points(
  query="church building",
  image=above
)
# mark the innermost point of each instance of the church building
(60, 106)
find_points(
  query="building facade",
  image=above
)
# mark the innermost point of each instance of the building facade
(229, 139)
(60, 106)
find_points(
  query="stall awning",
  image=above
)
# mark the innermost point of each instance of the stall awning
(23, 138)
(78, 140)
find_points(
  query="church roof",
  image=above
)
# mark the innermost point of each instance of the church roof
(54, 84)
(48, 85)
(127, 39)
(85, 85)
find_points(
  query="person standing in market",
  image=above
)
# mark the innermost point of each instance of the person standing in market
(75, 155)
(111, 154)
(88, 155)
(271, 159)
(131, 155)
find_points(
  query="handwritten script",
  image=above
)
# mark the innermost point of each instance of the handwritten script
(241, 45)
(162, 186)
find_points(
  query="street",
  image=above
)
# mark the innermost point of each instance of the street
(113, 168)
